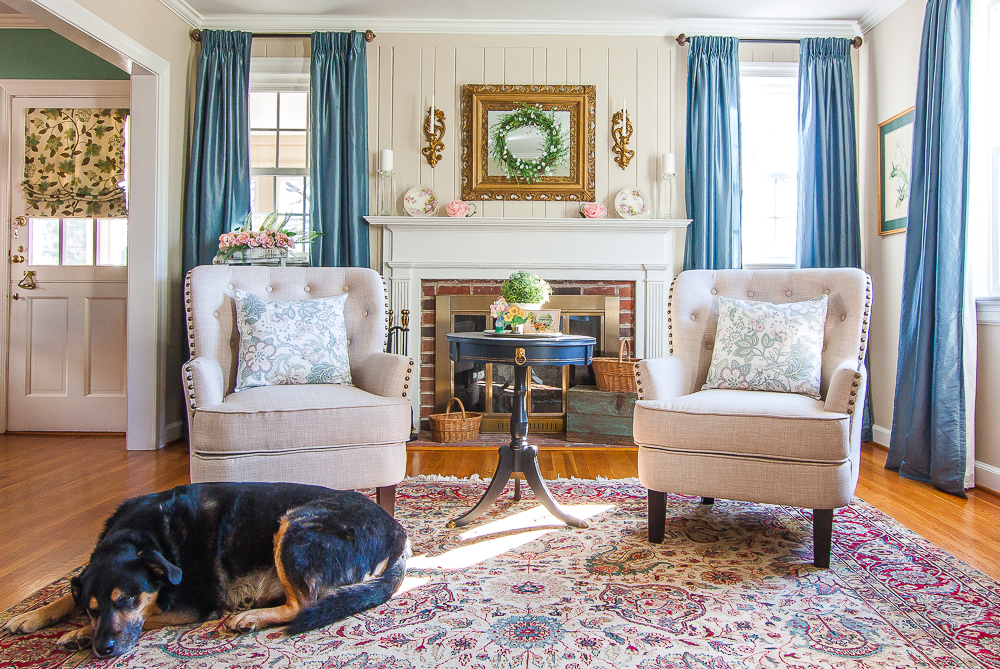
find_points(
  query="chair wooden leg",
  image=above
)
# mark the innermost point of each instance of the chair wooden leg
(822, 537)
(657, 504)
(386, 498)
(708, 500)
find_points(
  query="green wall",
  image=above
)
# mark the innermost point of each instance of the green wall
(27, 53)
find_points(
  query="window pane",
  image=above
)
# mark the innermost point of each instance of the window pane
(294, 111)
(769, 136)
(112, 241)
(261, 196)
(43, 241)
(78, 241)
(291, 195)
(293, 149)
(263, 110)
(263, 148)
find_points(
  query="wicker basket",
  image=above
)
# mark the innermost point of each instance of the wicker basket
(449, 427)
(616, 375)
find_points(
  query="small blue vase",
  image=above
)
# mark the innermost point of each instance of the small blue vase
(498, 325)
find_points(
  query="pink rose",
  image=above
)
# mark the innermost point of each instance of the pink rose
(267, 242)
(593, 210)
(242, 237)
(223, 241)
(458, 209)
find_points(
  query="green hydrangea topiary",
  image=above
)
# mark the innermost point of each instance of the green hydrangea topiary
(526, 288)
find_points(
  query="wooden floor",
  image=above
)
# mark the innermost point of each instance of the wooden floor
(56, 491)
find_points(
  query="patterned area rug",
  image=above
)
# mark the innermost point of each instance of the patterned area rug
(732, 586)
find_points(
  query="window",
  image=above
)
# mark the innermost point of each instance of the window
(984, 145)
(77, 241)
(769, 139)
(279, 161)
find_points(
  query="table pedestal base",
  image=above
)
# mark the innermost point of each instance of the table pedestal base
(518, 457)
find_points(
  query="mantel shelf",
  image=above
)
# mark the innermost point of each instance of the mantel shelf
(558, 224)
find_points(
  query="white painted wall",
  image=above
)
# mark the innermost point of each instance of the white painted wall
(403, 71)
(888, 71)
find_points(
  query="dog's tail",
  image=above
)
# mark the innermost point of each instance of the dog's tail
(350, 599)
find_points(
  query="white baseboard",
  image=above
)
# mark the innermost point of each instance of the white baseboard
(174, 431)
(881, 435)
(987, 476)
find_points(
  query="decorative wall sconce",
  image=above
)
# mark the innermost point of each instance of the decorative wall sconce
(434, 132)
(621, 132)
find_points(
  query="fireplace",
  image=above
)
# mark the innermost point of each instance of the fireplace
(469, 256)
(600, 309)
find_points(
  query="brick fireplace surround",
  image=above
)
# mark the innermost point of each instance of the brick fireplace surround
(430, 289)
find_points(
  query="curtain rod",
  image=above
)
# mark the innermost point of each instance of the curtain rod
(683, 39)
(196, 35)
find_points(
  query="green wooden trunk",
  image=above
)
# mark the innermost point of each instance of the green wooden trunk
(598, 417)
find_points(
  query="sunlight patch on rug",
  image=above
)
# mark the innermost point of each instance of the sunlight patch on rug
(732, 586)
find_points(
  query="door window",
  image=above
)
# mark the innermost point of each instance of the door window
(78, 241)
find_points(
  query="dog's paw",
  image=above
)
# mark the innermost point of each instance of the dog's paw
(76, 640)
(245, 621)
(26, 623)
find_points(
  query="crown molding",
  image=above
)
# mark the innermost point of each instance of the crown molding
(18, 21)
(879, 14)
(749, 28)
(186, 12)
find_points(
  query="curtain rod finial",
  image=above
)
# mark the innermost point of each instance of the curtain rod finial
(682, 39)
(857, 42)
(369, 36)
(195, 35)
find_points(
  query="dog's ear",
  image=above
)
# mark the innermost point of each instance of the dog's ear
(161, 566)
(76, 587)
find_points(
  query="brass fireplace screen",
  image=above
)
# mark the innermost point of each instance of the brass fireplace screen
(486, 387)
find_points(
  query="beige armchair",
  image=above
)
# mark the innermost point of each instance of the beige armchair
(769, 447)
(332, 435)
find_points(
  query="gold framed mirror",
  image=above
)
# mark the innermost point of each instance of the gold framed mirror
(546, 150)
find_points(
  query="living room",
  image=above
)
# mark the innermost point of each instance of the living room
(424, 58)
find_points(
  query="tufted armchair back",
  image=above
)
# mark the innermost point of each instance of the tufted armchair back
(693, 311)
(211, 309)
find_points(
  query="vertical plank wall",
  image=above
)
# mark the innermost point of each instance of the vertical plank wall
(405, 69)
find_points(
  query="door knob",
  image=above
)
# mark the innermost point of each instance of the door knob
(15, 259)
(16, 296)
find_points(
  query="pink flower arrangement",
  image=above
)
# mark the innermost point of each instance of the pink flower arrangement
(460, 209)
(593, 210)
(267, 236)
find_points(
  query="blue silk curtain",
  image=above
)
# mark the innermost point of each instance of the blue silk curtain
(829, 223)
(339, 169)
(713, 185)
(928, 424)
(218, 183)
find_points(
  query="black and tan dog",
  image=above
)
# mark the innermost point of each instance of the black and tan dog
(271, 554)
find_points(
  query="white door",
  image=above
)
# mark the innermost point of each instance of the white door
(67, 341)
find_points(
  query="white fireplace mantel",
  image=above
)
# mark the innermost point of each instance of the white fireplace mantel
(646, 251)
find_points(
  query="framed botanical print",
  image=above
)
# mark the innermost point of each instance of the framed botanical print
(895, 148)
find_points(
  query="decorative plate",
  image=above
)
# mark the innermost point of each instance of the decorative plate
(632, 203)
(420, 201)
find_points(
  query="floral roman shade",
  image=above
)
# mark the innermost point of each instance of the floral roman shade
(74, 161)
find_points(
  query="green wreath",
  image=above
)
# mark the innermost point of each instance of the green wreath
(555, 150)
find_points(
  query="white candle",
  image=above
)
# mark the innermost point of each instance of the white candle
(385, 160)
(670, 166)
(624, 109)
(432, 107)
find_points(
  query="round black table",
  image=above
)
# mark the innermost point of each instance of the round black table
(519, 456)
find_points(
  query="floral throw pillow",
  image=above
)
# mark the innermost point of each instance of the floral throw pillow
(290, 343)
(764, 346)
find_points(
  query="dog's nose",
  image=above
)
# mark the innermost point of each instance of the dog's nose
(105, 649)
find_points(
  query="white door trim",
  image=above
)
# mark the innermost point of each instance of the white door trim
(147, 239)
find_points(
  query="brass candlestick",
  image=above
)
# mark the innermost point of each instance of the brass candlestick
(434, 135)
(621, 132)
